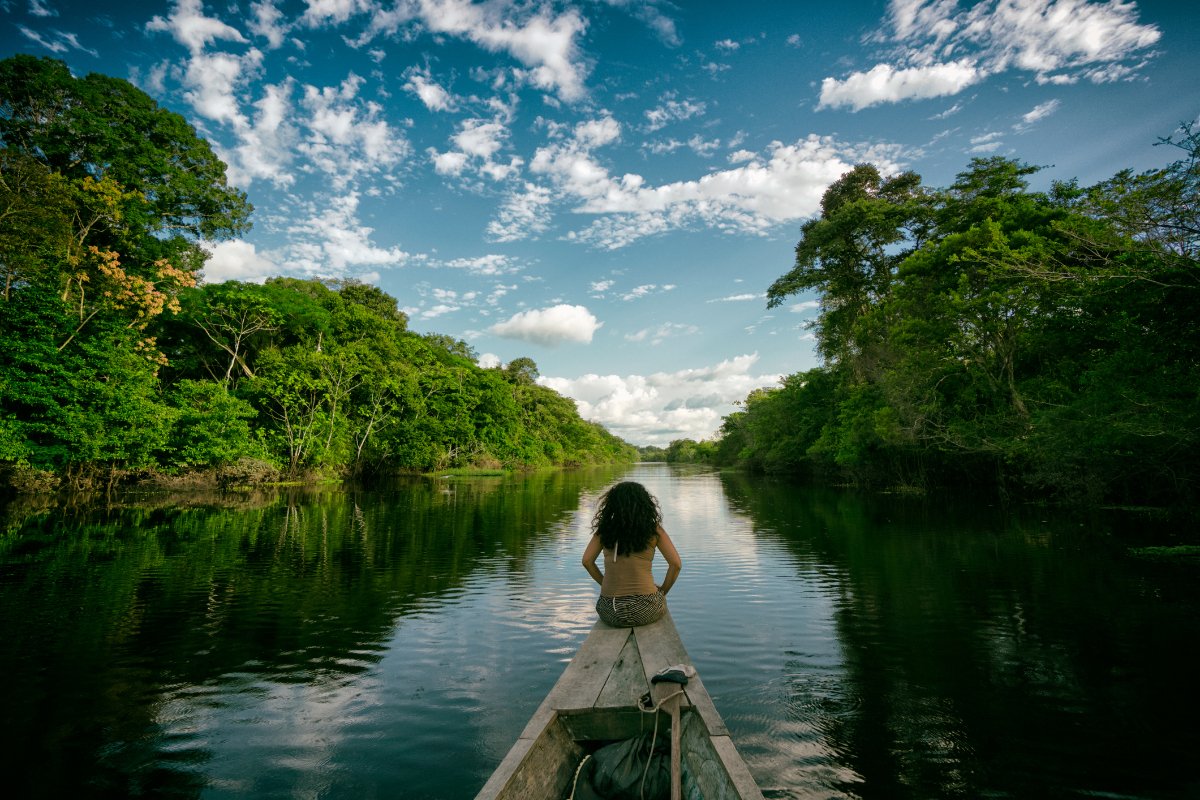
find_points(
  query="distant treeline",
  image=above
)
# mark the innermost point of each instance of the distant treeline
(990, 335)
(114, 363)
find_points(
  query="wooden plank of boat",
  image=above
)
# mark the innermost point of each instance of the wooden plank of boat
(595, 700)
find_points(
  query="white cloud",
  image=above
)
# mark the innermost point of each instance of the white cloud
(1040, 112)
(639, 292)
(656, 335)
(348, 137)
(786, 185)
(550, 326)
(488, 360)
(656, 408)
(600, 287)
(949, 112)
(448, 163)
(192, 29)
(543, 42)
(324, 12)
(886, 84)
(266, 23)
(986, 143)
(738, 298)
(652, 16)
(266, 146)
(525, 213)
(38, 8)
(1045, 35)
(60, 42)
(266, 140)
(727, 44)
(944, 49)
(332, 242)
(476, 144)
(492, 264)
(212, 81)
(237, 260)
(671, 110)
(430, 92)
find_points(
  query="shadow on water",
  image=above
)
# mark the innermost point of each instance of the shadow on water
(113, 615)
(992, 654)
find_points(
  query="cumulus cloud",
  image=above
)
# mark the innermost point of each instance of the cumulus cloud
(671, 110)
(191, 28)
(550, 326)
(266, 144)
(942, 49)
(421, 83)
(346, 136)
(332, 241)
(544, 42)
(885, 84)
(785, 185)
(656, 408)
(266, 22)
(237, 260)
(331, 128)
(475, 145)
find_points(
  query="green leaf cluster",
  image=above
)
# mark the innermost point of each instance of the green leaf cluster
(113, 362)
(992, 335)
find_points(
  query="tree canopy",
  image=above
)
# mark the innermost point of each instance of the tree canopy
(989, 334)
(113, 361)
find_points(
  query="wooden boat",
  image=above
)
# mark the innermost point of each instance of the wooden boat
(596, 701)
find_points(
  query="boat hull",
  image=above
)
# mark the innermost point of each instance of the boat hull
(595, 700)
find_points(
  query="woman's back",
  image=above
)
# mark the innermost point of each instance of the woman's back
(628, 573)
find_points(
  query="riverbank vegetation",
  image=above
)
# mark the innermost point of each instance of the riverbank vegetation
(989, 335)
(115, 364)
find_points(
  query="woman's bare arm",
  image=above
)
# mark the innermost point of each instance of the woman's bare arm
(590, 554)
(671, 556)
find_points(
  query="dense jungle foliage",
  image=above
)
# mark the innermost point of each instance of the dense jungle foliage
(114, 362)
(987, 334)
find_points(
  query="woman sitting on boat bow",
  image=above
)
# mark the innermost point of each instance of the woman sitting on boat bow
(628, 528)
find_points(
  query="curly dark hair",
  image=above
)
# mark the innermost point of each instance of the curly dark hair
(628, 517)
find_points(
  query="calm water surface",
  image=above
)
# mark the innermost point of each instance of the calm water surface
(392, 643)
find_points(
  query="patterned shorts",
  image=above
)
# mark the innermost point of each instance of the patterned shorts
(631, 610)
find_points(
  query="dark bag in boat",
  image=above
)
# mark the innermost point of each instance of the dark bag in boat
(619, 767)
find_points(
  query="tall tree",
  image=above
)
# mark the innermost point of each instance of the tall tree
(849, 254)
(106, 198)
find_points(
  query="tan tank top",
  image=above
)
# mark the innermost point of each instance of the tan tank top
(628, 573)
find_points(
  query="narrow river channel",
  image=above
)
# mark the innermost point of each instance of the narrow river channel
(392, 643)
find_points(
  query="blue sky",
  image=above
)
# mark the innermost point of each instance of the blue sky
(609, 186)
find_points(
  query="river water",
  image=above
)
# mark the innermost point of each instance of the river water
(393, 642)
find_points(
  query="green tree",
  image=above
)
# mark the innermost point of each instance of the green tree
(105, 197)
(850, 253)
